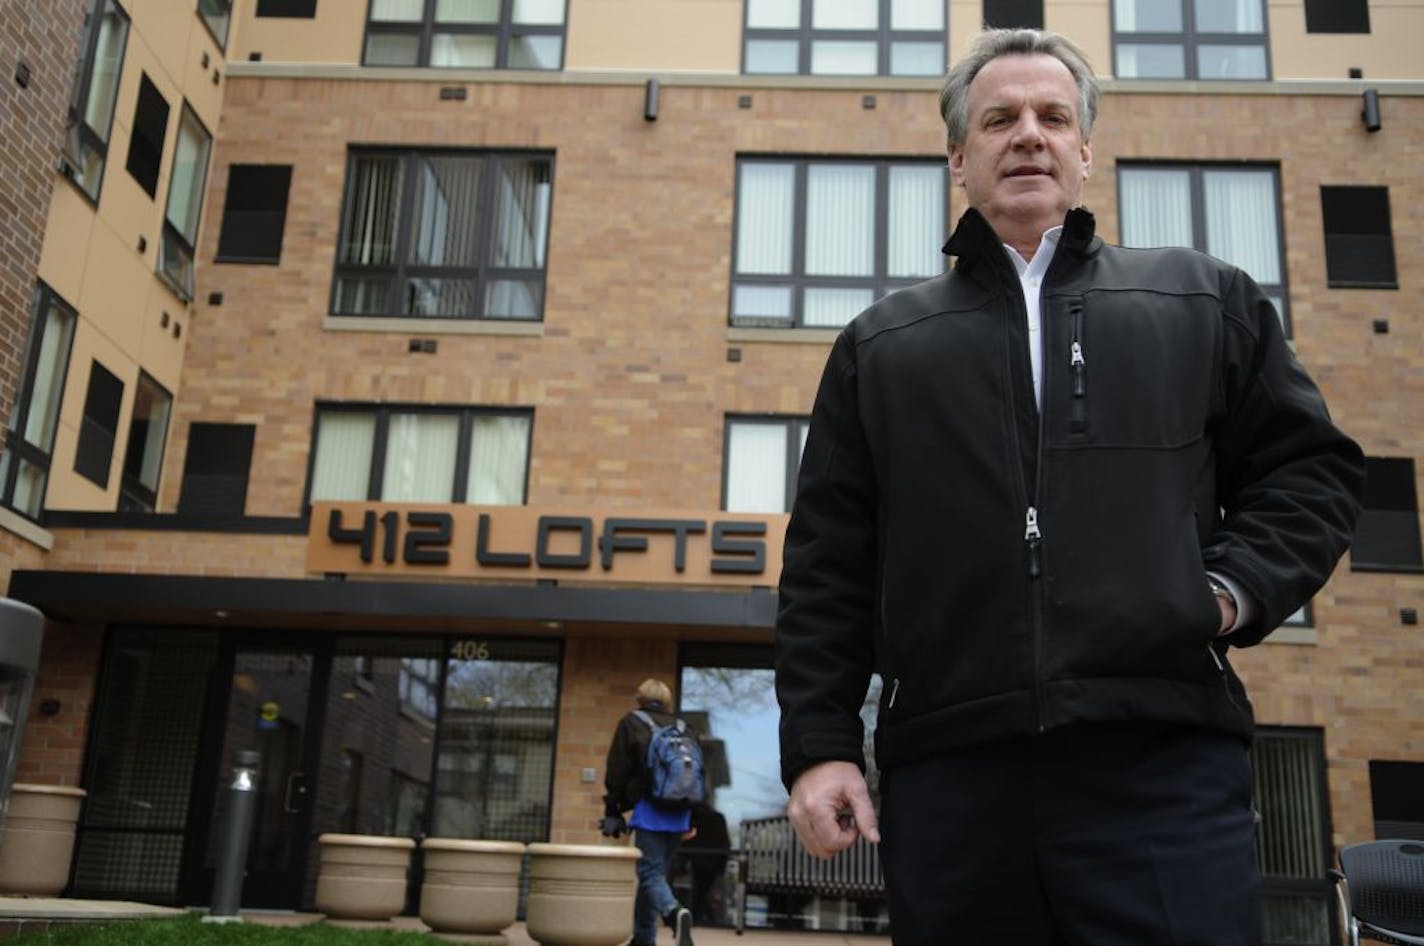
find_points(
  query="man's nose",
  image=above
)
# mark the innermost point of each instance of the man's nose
(1028, 133)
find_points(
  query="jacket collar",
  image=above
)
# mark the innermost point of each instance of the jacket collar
(975, 240)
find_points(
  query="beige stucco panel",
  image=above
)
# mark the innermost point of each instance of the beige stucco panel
(115, 291)
(62, 255)
(1087, 23)
(161, 347)
(333, 35)
(675, 35)
(159, 35)
(1297, 54)
(125, 208)
(67, 489)
(199, 90)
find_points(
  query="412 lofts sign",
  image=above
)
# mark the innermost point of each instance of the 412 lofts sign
(523, 542)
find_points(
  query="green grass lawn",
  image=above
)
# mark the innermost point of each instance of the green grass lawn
(189, 931)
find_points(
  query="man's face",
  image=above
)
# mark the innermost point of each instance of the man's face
(1024, 159)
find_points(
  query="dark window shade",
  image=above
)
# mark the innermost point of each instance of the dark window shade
(1337, 16)
(1387, 535)
(1397, 797)
(215, 469)
(99, 428)
(255, 212)
(294, 9)
(1008, 14)
(150, 127)
(1359, 246)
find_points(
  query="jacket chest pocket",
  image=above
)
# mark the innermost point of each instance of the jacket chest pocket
(1136, 369)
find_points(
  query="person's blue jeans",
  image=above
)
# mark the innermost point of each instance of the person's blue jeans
(655, 897)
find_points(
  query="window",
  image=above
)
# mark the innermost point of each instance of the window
(293, 9)
(1231, 212)
(29, 440)
(100, 426)
(217, 16)
(419, 684)
(1387, 535)
(255, 213)
(215, 469)
(1337, 16)
(1397, 798)
(150, 128)
(420, 455)
(96, 86)
(1010, 14)
(143, 459)
(1359, 244)
(1190, 39)
(185, 200)
(444, 235)
(845, 37)
(473, 34)
(818, 241)
(1293, 838)
(763, 454)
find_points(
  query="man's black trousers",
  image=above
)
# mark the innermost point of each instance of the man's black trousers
(1108, 834)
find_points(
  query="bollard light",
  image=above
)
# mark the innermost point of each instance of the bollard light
(237, 831)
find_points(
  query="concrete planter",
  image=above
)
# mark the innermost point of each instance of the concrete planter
(471, 888)
(581, 894)
(362, 878)
(38, 839)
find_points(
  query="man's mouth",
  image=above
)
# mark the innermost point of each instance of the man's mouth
(1026, 171)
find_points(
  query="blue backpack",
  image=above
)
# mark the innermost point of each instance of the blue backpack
(675, 777)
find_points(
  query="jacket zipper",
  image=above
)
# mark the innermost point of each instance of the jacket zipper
(1078, 367)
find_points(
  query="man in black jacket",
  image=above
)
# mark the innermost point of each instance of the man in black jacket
(658, 832)
(1042, 495)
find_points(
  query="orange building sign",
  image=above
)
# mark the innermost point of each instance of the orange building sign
(523, 542)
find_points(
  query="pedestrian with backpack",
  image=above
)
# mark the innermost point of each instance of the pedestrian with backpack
(655, 769)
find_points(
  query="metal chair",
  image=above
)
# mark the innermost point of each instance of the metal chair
(1380, 886)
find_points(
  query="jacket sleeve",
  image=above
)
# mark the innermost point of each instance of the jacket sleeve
(621, 770)
(824, 627)
(1288, 480)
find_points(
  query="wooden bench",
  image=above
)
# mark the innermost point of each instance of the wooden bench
(772, 861)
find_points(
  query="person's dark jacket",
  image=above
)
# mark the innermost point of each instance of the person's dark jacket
(625, 772)
(1177, 435)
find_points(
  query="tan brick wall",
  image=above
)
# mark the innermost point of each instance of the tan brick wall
(630, 380)
(44, 37)
(52, 751)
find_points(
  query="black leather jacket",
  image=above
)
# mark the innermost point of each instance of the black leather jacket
(1008, 570)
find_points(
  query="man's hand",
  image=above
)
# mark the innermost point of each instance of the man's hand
(613, 826)
(830, 807)
(1228, 615)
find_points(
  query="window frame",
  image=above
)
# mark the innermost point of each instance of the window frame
(505, 30)
(175, 243)
(223, 12)
(383, 412)
(879, 282)
(794, 426)
(16, 448)
(134, 494)
(1197, 171)
(79, 134)
(805, 36)
(1189, 40)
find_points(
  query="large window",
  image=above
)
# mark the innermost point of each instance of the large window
(1190, 39)
(215, 469)
(143, 459)
(1231, 212)
(185, 200)
(762, 456)
(150, 129)
(29, 439)
(1359, 240)
(1012, 14)
(254, 213)
(96, 86)
(1337, 16)
(473, 34)
(1397, 798)
(421, 455)
(845, 37)
(818, 241)
(444, 235)
(1387, 535)
(99, 429)
(1293, 839)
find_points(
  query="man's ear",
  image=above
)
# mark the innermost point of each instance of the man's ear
(956, 164)
(1087, 160)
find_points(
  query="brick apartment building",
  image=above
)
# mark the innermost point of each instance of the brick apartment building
(392, 386)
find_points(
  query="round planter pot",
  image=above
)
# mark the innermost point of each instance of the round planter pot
(38, 839)
(581, 894)
(362, 877)
(471, 888)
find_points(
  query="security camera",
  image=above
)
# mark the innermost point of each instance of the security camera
(1371, 114)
